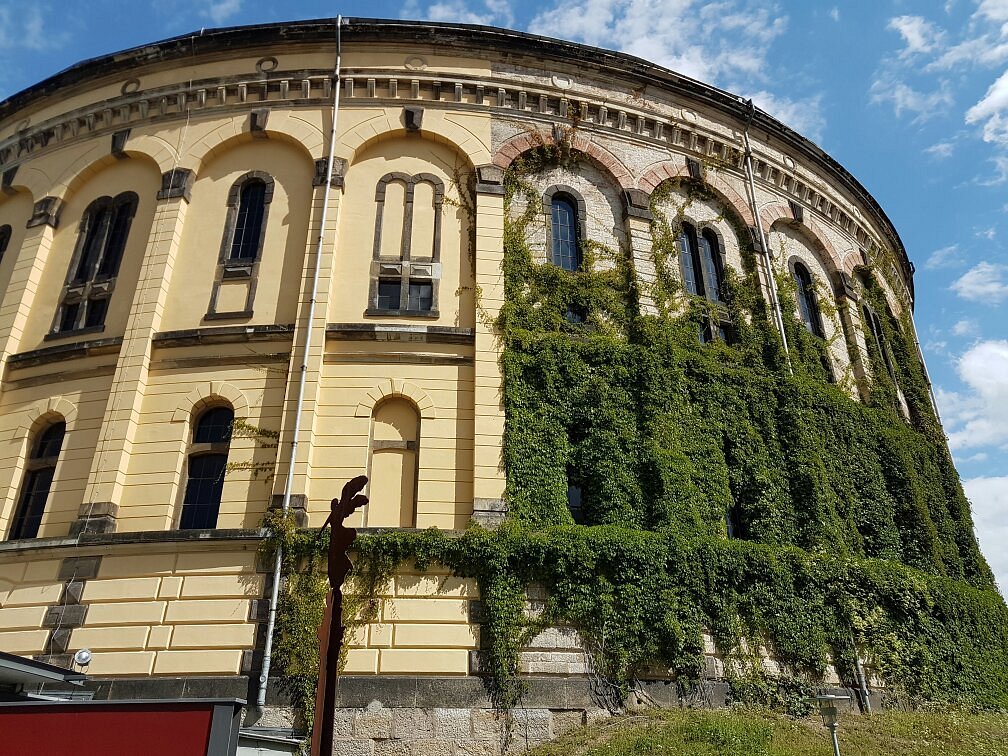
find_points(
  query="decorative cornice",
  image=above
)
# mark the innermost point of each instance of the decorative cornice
(302, 88)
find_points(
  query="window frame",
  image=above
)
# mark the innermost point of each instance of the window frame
(409, 268)
(203, 450)
(35, 465)
(231, 268)
(96, 231)
(808, 292)
(710, 267)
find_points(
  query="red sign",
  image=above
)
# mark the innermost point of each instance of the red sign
(111, 728)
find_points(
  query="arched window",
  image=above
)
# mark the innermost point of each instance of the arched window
(875, 326)
(39, 470)
(5, 237)
(395, 447)
(207, 464)
(241, 249)
(249, 223)
(104, 230)
(566, 249)
(808, 307)
(703, 276)
(701, 263)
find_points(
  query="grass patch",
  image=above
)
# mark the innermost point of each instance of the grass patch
(750, 732)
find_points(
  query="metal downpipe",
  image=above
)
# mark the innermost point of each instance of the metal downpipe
(260, 702)
(771, 281)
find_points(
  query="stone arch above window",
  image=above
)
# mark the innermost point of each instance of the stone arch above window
(406, 254)
(54, 406)
(241, 248)
(390, 388)
(207, 396)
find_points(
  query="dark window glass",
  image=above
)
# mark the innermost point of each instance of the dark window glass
(95, 314)
(119, 226)
(880, 341)
(97, 226)
(574, 503)
(214, 426)
(5, 237)
(566, 251)
(203, 491)
(388, 294)
(421, 296)
(807, 307)
(575, 314)
(690, 255)
(248, 226)
(68, 317)
(710, 256)
(41, 467)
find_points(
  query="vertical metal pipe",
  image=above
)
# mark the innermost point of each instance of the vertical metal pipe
(771, 281)
(288, 486)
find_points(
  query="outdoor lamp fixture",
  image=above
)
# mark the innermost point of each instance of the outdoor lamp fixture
(831, 715)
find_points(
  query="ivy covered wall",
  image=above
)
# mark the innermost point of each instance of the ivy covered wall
(849, 526)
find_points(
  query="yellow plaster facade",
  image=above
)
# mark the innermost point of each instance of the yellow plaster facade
(404, 386)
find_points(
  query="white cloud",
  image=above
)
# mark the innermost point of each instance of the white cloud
(919, 34)
(978, 417)
(804, 116)
(490, 13)
(29, 28)
(966, 327)
(941, 150)
(904, 98)
(989, 497)
(944, 258)
(221, 10)
(984, 282)
(736, 34)
(989, 112)
(834, 13)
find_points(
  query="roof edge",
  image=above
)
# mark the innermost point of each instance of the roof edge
(208, 41)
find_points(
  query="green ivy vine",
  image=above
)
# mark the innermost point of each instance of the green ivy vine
(850, 527)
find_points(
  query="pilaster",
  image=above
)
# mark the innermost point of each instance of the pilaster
(312, 358)
(122, 415)
(488, 473)
(26, 276)
(637, 219)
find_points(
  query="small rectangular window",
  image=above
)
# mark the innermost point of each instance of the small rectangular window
(389, 294)
(421, 296)
(95, 315)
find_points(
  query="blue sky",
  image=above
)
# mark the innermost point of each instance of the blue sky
(912, 97)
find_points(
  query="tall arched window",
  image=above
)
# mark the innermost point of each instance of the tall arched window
(104, 230)
(703, 276)
(701, 263)
(872, 320)
(207, 464)
(395, 447)
(39, 470)
(249, 222)
(566, 249)
(808, 307)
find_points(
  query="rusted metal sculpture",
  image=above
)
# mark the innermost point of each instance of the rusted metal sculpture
(330, 636)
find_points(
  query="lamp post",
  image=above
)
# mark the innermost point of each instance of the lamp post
(831, 715)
